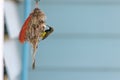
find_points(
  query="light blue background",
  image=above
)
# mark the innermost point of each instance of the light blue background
(85, 44)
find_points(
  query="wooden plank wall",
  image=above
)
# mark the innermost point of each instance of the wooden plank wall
(85, 44)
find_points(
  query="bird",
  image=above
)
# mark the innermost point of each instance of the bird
(47, 32)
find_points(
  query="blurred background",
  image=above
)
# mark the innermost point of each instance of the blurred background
(85, 44)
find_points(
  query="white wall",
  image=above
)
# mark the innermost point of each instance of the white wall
(1, 39)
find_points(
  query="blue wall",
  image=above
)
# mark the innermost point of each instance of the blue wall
(85, 44)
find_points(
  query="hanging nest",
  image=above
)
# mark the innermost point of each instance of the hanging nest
(34, 29)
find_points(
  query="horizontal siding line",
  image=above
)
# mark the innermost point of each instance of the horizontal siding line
(79, 69)
(80, 3)
(84, 36)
